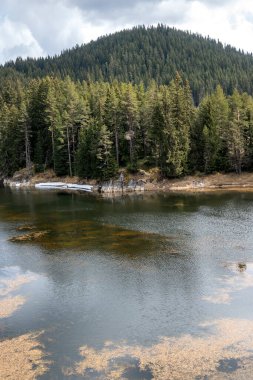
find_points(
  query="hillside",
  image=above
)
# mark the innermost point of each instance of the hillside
(143, 54)
(94, 128)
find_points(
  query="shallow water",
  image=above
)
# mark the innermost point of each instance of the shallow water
(141, 282)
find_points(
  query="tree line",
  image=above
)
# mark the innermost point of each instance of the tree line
(91, 129)
(145, 54)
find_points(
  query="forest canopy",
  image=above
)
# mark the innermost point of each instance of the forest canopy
(141, 55)
(90, 129)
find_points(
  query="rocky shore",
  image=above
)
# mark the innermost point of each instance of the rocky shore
(143, 181)
(24, 181)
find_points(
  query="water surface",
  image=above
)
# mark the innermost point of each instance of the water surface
(134, 287)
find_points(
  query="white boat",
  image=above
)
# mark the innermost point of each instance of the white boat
(79, 187)
(49, 185)
(63, 186)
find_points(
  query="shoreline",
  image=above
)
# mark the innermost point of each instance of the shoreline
(144, 182)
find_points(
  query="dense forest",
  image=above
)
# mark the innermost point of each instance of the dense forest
(145, 54)
(91, 129)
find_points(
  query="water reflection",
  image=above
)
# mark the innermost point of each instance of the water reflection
(10, 283)
(240, 278)
(141, 272)
(228, 349)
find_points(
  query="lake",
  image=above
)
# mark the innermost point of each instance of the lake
(141, 286)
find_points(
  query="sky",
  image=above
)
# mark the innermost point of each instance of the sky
(38, 28)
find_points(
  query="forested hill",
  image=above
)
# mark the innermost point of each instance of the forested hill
(143, 54)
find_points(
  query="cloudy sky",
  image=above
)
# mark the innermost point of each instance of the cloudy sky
(46, 27)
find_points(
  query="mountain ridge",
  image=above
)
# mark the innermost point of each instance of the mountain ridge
(143, 54)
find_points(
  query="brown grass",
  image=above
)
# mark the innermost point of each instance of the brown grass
(186, 357)
(10, 285)
(212, 182)
(22, 358)
(9, 305)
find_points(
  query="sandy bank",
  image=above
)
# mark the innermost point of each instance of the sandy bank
(212, 182)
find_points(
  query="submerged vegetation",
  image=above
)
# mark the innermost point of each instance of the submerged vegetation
(113, 288)
(9, 305)
(225, 351)
(22, 357)
(29, 236)
(91, 235)
(9, 302)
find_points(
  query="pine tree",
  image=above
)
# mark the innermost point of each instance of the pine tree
(130, 122)
(178, 129)
(24, 127)
(235, 138)
(111, 118)
(157, 134)
(106, 165)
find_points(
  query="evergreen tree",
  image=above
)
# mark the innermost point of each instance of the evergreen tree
(236, 139)
(141, 55)
(111, 118)
(178, 129)
(130, 123)
(89, 129)
(106, 166)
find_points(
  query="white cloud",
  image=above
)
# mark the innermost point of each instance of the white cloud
(17, 40)
(230, 23)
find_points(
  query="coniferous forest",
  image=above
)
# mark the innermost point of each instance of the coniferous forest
(92, 129)
(164, 98)
(143, 54)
